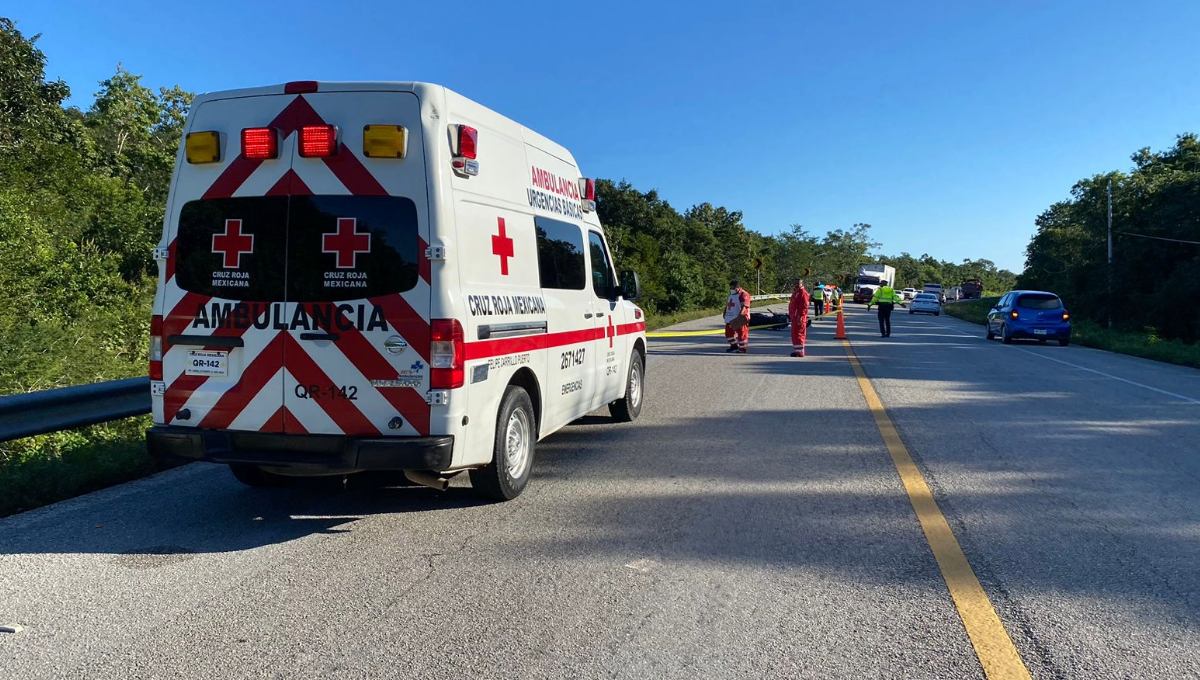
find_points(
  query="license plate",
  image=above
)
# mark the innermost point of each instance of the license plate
(1040, 331)
(207, 363)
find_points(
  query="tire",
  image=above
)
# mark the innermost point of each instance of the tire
(937, 313)
(1064, 343)
(1005, 336)
(256, 478)
(512, 450)
(990, 334)
(629, 407)
(910, 311)
(1042, 341)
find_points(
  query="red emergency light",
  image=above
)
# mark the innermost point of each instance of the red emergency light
(466, 150)
(468, 142)
(260, 143)
(318, 141)
(587, 193)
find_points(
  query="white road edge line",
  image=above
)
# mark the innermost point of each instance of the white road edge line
(1113, 377)
(1083, 368)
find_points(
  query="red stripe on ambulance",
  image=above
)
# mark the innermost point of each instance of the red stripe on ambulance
(253, 379)
(343, 412)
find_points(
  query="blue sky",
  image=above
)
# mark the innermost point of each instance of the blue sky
(948, 126)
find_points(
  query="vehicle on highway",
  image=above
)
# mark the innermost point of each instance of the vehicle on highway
(908, 293)
(382, 276)
(936, 289)
(972, 289)
(1030, 314)
(870, 277)
(925, 303)
(954, 294)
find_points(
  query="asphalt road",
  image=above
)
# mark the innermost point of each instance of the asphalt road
(750, 525)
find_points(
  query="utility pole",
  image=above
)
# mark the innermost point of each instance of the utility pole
(1110, 266)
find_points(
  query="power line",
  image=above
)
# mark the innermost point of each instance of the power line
(1160, 238)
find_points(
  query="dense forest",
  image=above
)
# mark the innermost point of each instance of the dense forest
(1156, 245)
(82, 196)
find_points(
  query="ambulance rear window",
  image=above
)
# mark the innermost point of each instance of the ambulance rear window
(299, 248)
(349, 247)
(233, 248)
(560, 254)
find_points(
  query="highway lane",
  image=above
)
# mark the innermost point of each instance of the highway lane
(750, 524)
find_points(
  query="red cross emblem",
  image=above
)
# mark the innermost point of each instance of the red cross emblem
(232, 244)
(611, 332)
(346, 242)
(502, 245)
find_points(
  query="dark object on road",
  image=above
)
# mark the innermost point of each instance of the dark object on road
(772, 320)
(1033, 314)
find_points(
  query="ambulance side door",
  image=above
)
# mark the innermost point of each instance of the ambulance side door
(610, 347)
(562, 264)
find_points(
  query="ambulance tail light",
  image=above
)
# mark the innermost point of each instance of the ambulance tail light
(260, 143)
(318, 141)
(587, 193)
(156, 347)
(446, 354)
(466, 150)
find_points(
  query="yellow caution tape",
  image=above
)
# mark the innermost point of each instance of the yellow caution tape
(686, 334)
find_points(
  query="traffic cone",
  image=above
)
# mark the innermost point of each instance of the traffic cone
(841, 328)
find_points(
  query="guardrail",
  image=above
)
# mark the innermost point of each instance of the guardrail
(24, 415)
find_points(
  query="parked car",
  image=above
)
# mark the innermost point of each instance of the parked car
(926, 303)
(908, 293)
(1031, 314)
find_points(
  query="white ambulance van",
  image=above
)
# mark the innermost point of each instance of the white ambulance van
(381, 276)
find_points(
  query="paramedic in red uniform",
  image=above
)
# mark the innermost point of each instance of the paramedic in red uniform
(737, 318)
(798, 311)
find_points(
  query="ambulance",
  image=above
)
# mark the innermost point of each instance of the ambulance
(381, 277)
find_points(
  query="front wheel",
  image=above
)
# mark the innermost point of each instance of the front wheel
(937, 313)
(990, 334)
(512, 451)
(628, 408)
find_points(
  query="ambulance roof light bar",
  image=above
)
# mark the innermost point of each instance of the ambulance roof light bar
(466, 150)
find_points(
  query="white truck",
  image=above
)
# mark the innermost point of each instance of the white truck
(870, 277)
(381, 276)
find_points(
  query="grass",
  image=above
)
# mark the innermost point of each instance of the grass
(657, 321)
(37, 471)
(1146, 344)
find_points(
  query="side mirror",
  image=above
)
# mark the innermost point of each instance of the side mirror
(631, 286)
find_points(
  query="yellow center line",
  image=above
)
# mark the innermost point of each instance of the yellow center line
(991, 641)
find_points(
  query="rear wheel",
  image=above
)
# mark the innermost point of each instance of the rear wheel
(512, 452)
(1005, 335)
(628, 408)
(1064, 342)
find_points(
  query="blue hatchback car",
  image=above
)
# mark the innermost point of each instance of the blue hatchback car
(1032, 314)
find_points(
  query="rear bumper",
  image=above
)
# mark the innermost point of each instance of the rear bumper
(1023, 332)
(312, 452)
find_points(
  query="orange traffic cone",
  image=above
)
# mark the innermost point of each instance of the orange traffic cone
(841, 328)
